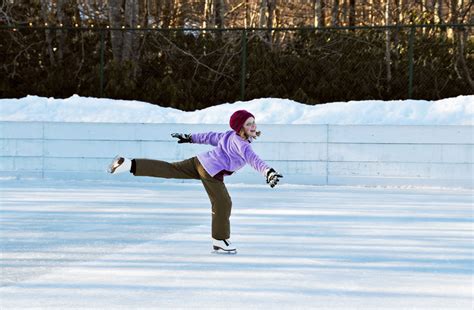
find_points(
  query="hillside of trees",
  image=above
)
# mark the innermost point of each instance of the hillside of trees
(194, 54)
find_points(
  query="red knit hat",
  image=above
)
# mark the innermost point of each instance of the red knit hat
(238, 119)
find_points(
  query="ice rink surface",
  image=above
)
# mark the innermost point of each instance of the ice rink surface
(102, 245)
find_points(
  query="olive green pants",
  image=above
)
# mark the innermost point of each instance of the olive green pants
(192, 169)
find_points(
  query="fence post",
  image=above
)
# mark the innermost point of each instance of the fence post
(101, 70)
(410, 62)
(243, 71)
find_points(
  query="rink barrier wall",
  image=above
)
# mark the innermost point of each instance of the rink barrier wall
(369, 155)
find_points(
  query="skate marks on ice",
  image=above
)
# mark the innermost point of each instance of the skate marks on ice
(44, 228)
(305, 247)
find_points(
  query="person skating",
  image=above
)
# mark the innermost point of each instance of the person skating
(232, 151)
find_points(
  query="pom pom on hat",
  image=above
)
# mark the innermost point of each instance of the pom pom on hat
(238, 119)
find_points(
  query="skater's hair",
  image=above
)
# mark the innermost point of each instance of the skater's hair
(245, 136)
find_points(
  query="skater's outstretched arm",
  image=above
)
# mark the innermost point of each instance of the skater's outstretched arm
(211, 138)
(253, 160)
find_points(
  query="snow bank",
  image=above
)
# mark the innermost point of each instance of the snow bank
(450, 111)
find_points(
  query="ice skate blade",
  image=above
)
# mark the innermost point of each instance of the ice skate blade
(224, 252)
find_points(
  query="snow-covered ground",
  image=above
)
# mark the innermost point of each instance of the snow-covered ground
(449, 111)
(79, 245)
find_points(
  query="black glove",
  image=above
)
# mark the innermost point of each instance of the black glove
(183, 138)
(272, 177)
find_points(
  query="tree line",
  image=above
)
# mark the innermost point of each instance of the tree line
(195, 69)
(236, 13)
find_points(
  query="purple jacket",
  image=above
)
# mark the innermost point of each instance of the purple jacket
(231, 153)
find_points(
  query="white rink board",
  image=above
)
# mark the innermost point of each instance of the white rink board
(414, 153)
(304, 154)
(401, 134)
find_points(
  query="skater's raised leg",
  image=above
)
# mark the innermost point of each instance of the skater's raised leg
(185, 169)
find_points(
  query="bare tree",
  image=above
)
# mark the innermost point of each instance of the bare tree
(263, 11)
(154, 11)
(130, 40)
(396, 12)
(247, 14)
(116, 37)
(143, 13)
(271, 4)
(343, 15)
(205, 15)
(457, 10)
(219, 13)
(352, 13)
(45, 13)
(369, 18)
(167, 13)
(458, 13)
(335, 13)
(319, 13)
(430, 8)
(5, 12)
(388, 59)
(440, 11)
(61, 19)
(461, 58)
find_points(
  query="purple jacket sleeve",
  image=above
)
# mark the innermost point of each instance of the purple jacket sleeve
(253, 160)
(211, 138)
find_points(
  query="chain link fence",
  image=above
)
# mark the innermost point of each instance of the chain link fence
(197, 68)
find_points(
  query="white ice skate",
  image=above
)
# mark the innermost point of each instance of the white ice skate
(223, 246)
(119, 165)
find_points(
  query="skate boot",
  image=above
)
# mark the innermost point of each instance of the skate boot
(119, 165)
(223, 246)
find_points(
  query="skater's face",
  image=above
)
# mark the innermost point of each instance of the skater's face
(250, 128)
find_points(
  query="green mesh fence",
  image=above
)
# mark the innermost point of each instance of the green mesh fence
(197, 68)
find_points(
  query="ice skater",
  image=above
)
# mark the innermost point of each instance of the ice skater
(232, 151)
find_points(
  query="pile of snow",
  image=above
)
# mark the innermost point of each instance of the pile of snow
(450, 111)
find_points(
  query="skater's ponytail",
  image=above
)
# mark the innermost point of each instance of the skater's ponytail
(244, 136)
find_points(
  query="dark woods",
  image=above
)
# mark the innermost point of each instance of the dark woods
(193, 69)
